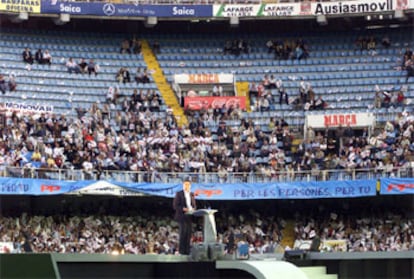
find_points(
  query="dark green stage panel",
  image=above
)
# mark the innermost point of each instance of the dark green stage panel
(33, 266)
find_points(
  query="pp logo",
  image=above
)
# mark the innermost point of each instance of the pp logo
(108, 9)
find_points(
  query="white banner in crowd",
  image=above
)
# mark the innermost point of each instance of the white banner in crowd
(203, 78)
(105, 188)
(22, 107)
(326, 245)
(340, 119)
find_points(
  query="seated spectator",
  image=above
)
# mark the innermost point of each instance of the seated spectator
(409, 67)
(145, 77)
(27, 56)
(385, 103)
(253, 90)
(125, 46)
(227, 47)
(39, 56)
(47, 58)
(123, 76)
(92, 67)
(72, 66)
(3, 85)
(136, 46)
(386, 42)
(319, 103)
(217, 90)
(12, 83)
(400, 98)
(83, 66)
(371, 44)
(139, 76)
(283, 97)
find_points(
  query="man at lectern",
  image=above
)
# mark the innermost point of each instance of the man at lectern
(184, 204)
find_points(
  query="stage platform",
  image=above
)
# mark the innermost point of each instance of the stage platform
(343, 265)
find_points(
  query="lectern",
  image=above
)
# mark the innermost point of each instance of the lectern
(209, 249)
(209, 227)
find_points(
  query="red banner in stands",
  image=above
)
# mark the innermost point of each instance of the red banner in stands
(198, 103)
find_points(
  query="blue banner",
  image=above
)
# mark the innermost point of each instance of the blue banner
(397, 186)
(238, 191)
(127, 10)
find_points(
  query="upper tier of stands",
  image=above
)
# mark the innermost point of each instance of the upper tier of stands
(53, 85)
(343, 74)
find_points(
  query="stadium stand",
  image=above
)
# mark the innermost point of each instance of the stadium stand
(97, 113)
(130, 227)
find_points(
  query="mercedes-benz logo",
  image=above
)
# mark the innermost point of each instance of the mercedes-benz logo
(108, 9)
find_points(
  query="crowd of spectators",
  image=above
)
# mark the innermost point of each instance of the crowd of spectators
(288, 49)
(408, 63)
(41, 57)
(139, 139)
(270, 92)
(141, 76)
(362, 233)
(142, 231)
(131, 46)
(236, 47)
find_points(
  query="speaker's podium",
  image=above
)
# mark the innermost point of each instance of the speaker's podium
(209, 249)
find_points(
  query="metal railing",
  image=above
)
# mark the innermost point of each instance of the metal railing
(175, 177)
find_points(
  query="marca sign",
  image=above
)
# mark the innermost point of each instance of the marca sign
(203, 78)
(340, 119)
(350, 7)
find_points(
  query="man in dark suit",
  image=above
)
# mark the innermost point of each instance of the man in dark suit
(184, 204)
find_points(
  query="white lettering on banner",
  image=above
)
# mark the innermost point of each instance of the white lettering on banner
(26, 107)
(68, 8)
(278, 10)
(335, 120)
(348, 7)
(340, 119)
(183, 11)
(198, 103)
(236, 10)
